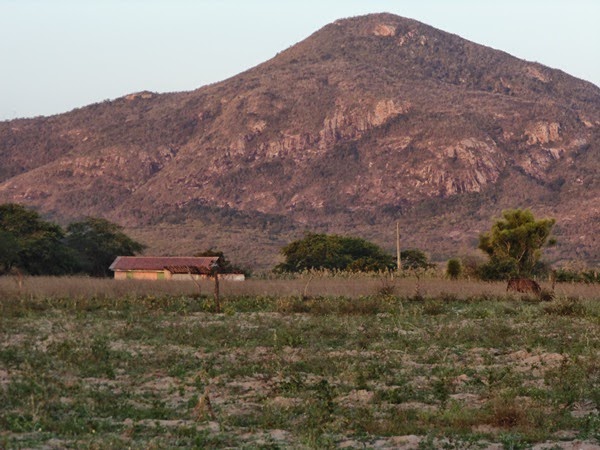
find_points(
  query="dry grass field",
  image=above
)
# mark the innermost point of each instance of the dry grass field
(315, 285)
(311, 362)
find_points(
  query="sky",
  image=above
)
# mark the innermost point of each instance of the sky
(56, 55)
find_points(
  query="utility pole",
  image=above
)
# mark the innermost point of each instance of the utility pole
(398, 259)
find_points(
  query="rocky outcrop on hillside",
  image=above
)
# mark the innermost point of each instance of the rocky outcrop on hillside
(368, 121)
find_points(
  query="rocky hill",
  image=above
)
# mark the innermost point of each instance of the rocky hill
(370, 120)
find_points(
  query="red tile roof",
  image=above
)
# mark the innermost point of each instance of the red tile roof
(202, 263)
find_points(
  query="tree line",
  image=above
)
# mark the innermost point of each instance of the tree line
(513, 246)
(35, 246)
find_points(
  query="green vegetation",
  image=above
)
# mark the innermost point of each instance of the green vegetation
(415, 259)
(286, 371)
(514, 244)
(453, 268)
(97, 242)
(37, 247)
(577, 276)
(9, 251)
(225, 266)
(333, 252)
(32, 244)
(312, 359)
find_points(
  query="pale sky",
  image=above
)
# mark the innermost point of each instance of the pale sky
(57, 55)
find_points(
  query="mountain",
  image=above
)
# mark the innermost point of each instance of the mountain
(368, 121)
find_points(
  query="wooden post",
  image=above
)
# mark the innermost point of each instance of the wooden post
(217, 300)
(398, 258)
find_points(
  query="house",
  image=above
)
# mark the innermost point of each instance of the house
(163, 267)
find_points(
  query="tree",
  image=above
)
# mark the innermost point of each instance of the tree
(37, 243)
(413, 259)
(39, 247)
(9, 251)
(514, 244)
(225, 266)
(333, 252)
(97, 242)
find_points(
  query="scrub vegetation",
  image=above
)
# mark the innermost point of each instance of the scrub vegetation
(385, 363)
(34, 246)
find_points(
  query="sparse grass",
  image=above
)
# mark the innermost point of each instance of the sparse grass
(96, 365)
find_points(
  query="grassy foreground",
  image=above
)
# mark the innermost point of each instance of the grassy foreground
(406, 366)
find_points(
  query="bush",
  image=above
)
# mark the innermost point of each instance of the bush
(497, 269)
(577, 276)
(453, 268)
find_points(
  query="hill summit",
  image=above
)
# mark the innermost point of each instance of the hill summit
(370, 120)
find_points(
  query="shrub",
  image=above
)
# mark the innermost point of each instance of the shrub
(577, 276)
(566, 306)
(453, 268)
